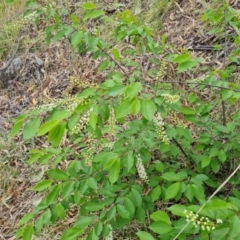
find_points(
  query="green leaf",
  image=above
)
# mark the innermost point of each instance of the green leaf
(116, 54)
(145, 236)
(172, 190)
(129, 161)
(31, 128)
(34, 158)
(140, 214)
(57, 174)
(56, 134)
(92, 183)
(171, 177)
(136, 106)
(216, 204)
(148, 109)
(222, 156)
(116, 90)
(60, 115)
(84, 221)
(28, 233)
(93, 14)
(47, 217)
(234, 231)
(122, 211)
(160, 216)
(124, 109)
(205, 161)
(53, 195)
(114, 171)
(177, 210)
(103, 66)
(75, 20)
(190, 192)
(68, 189)
(88, 5)
(27, 217)
(19, 232)
(155, 193)
(39, 224)
(61, 211)
(160, 227)
(93, 120)
(129, 207)
(72, 233)
(187, 110)
(16, 128)
(111, 213)
(59, 35)
(182, 58)
(182, 67)
(76, 39)
(48, 126)
(222, 128)
(132, 90)
(43, 185)
(94, 206)
(136, 197)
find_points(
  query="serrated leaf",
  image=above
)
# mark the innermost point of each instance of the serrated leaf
(31, 128)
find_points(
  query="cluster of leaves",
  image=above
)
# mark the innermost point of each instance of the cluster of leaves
(125, 163)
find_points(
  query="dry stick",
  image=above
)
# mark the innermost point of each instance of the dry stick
(204, 84)
(224, 119)
(218, 189)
